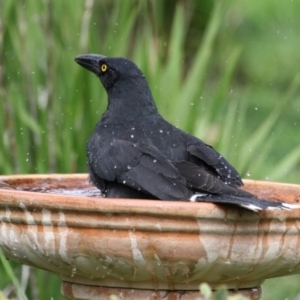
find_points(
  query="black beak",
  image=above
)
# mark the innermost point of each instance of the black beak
(90, 62)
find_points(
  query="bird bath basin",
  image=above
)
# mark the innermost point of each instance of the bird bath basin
(100, 246)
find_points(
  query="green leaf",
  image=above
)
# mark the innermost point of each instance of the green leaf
(221, 293)
(205, 290)
(10, 273)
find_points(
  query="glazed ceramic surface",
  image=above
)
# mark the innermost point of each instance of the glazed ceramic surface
(61, 224)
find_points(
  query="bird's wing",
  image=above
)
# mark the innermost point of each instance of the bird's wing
(139, 166)
(199, 179)
(217, 162)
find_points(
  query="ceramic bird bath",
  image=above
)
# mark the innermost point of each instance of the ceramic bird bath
(145, 249)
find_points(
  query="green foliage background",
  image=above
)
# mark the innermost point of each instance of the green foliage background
(228, 73)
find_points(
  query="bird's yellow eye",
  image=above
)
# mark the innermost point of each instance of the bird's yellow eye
(103, 68)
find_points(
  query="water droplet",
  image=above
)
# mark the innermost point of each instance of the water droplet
(248, 174)
(161, 131)
(128, 167)
(132, 136)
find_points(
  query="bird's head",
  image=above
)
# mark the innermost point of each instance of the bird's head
(127, 89)
(109, 69)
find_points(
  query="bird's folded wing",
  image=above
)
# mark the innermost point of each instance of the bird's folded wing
(220, 165)
(200, 180)
(112, 159)
(141, 167)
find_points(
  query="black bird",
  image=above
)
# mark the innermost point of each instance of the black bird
(135, 153)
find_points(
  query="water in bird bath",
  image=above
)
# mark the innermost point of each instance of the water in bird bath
(53, 185)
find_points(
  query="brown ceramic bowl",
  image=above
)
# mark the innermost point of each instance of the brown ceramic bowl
(145, 244)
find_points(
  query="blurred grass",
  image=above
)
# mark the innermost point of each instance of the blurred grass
(228, 73)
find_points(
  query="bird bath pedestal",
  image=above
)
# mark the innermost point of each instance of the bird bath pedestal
(145, 249)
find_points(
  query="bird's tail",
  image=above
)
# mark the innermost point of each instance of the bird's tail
(251, 203)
